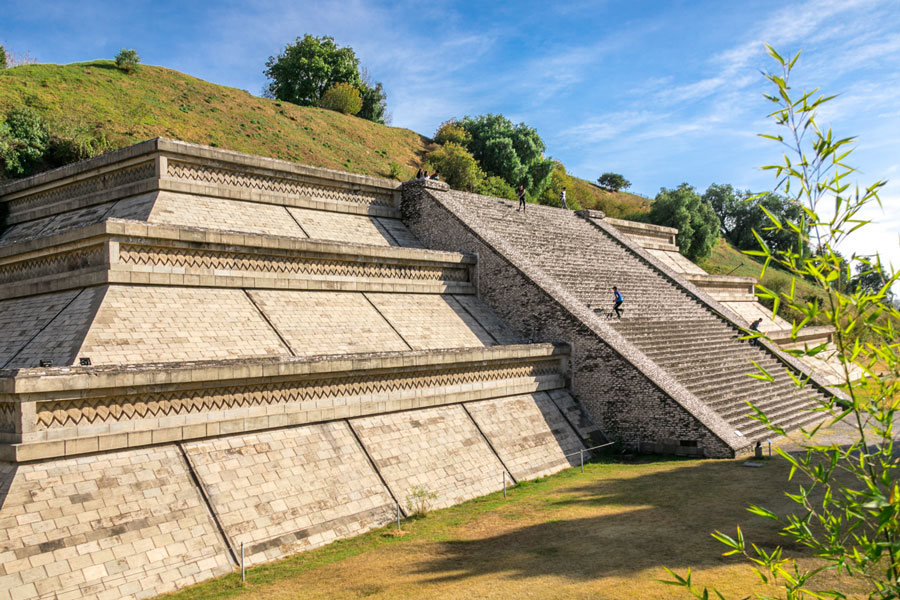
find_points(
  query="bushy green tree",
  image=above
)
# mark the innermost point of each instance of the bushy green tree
(24, 139)
(309, 67)
(496, 187)
(743, 216)
(613, 182)
(2, 57)
(847, 507)
(127, 60)
(452, 131)
(343, 98)
(374, 103)
(458, 168)
(697, 223)
(513, 152)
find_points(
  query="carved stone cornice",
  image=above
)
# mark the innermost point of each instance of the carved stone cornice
(71, 410)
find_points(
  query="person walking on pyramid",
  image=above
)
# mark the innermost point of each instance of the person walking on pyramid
(617, 301)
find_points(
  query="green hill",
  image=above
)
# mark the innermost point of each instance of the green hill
(96, 101)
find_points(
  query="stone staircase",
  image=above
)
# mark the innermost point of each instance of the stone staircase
(665, 319)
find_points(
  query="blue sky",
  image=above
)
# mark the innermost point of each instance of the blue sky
(663, 92)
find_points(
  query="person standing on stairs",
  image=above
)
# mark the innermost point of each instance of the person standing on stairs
(618, 300)
(521, 195)
(562, 199)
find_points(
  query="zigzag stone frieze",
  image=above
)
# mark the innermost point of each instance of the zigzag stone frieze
(199, 260)
(77, 412)
(273, 184)
(85, 187)
(53, 264)
(7, 417)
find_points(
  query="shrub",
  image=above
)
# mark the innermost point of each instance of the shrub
(343, 98)
(23, 141)
(458, 168)
(451, 131)
(395, 169)
(496, 187)
(2, 57)
(419, 500)
(127, 60)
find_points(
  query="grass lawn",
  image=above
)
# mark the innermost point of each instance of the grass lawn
(606, 533)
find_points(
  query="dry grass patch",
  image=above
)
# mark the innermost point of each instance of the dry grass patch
(605, 534)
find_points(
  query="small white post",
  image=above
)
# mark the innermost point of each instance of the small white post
(504, 485)
(581, 452)
(243, 575)
(398, 516)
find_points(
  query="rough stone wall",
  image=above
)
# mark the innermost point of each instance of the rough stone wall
(121, 525)
(288, 490)
(529, 433)
(616, 394)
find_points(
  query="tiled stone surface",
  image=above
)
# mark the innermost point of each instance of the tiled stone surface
(431, 321)
(122, 525)
(22, 318)
(61, 339)
(288, 490)
(529, 433)
(327, 322)
(676, 261)
(139, 324)
(438, 449)
(341, 227)
(219, 213)
(577, 417)
(488, 319)
(401, 234)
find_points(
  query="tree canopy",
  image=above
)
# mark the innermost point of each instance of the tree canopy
(512, 152)
(613, 182)
(741, 213)
(311, 66)
(697, 223)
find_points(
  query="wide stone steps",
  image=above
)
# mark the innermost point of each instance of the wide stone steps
(672, 328)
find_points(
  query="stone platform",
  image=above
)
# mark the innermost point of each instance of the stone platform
(204, 350)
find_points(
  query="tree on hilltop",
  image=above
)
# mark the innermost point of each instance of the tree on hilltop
(311, 66)
(127, 60)
(697, 223)
(513, 152)
(613, 182)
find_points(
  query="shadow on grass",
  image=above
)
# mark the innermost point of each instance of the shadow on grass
(624, 525)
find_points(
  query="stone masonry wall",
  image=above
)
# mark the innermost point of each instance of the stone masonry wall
(529, 433)
(288, 490)
(122, 525)
(628, 406)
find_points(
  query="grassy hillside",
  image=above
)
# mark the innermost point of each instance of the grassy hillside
(94, 100)
(98, 99)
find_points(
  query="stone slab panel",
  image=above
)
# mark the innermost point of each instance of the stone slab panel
(60, 340)
(429, 321)
(23, 318)
(400, 232)
(288, 490)
(577, 417)
(488, 319)
(437, 449)
(529, 433)
(219, 213)
(121, 525)
(341, 227)
(315, 323)
(676, 261)
(141, 324)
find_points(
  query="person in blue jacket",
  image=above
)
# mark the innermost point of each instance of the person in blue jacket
(618, 301)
